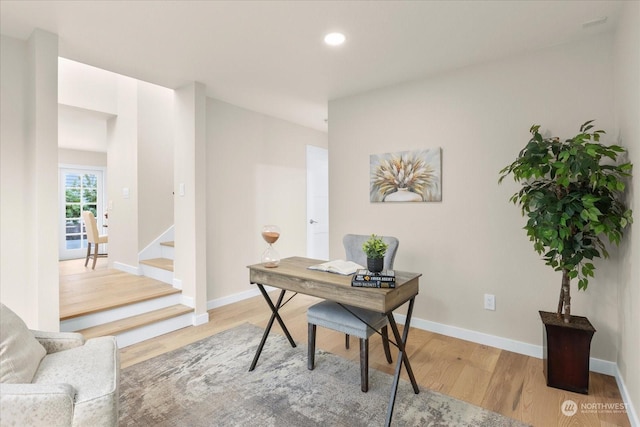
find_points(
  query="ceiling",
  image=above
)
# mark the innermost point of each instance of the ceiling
(268, 56)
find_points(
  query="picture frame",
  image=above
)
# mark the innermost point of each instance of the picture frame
(406, 176)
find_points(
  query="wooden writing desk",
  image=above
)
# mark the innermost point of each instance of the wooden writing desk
(293, 275)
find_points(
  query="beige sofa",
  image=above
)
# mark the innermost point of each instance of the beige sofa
(56, 379)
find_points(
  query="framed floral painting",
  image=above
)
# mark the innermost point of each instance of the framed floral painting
(406, 176)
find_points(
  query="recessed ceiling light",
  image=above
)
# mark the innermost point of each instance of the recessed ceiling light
(334, 39)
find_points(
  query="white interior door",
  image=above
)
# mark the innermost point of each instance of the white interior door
(80, 190)
(317, 202)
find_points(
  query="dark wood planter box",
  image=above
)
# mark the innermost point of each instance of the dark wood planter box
(566, 350)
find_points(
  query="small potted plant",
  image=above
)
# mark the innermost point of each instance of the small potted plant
(375, 249)
(573, 196)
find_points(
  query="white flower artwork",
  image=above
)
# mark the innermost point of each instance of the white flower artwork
(406, 176)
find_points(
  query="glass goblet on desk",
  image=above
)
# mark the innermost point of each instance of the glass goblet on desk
(270, 234)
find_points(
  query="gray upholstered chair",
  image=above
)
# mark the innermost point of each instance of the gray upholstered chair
(353, 249)
(352, 320)
(56, 378)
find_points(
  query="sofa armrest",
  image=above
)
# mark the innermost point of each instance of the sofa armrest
(37, 404)
(58, 341)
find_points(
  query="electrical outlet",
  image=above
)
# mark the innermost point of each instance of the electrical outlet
(489, 302)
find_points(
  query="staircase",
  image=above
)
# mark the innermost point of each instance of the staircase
(133, 308)
(161, 267)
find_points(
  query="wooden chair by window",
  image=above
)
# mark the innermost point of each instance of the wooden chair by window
(331, 315)
(93, 237)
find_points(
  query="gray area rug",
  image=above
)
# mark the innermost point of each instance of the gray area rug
(208, 383)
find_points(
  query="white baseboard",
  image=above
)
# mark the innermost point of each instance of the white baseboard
(219, 302)
(200, 319)
(624, 392)
(196, 319)
(473, 336)
(127, 268)
(603, 366)
(595, 365)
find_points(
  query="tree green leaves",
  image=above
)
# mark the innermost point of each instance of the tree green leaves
(572, 197)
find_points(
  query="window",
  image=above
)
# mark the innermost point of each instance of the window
(81, 190)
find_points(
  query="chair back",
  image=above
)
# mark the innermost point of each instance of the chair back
(353, 249)
(91, 225)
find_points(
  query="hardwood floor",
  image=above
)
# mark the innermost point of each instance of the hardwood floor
(85, 291)
(498, 380)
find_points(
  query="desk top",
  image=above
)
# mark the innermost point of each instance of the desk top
(293, 275)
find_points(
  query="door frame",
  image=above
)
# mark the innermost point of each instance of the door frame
(317, 198)
(81, 252)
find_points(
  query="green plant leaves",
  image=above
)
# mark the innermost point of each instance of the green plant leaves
(375, 247)
(572, 199)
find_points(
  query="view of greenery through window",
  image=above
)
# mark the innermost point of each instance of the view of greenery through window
(81, 194)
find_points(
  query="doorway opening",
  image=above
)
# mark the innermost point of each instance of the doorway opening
(81, 189)
(317, 202)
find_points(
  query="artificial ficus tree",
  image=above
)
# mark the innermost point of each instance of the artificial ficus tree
(573, 196)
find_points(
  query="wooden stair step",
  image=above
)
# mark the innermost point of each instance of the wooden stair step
(171, 244)
(129, 323)
(162, 263)
(100, 291)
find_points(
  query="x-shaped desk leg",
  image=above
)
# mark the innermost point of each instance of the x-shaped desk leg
(274, 316)
(402, 358)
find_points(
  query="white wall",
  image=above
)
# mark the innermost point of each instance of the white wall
(190, 211)
(42, 173)
(80, 129)
(87, 87)
(155, 161)
(14, 291)
(256, 175)
(122, 161)
(29, 178)
(627, 108)
(81, 157)
(472, 242)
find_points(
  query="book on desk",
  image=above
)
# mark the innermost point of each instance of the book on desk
(367, 279)
(337, 266)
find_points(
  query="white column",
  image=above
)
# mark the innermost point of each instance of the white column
(41, 174)
(190, 264)
(122, 185)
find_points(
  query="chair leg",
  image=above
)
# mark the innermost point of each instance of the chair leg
(311, 349)
(346, 341)
(95, 256)
(385, 344)
(86, 261)
(364, 364)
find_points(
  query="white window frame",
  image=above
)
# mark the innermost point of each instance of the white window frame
(81, 252)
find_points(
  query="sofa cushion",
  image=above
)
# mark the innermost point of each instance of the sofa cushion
(93, 370)
(20, 351)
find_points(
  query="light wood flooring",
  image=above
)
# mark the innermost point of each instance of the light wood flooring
(85, 291)
(505, 382)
